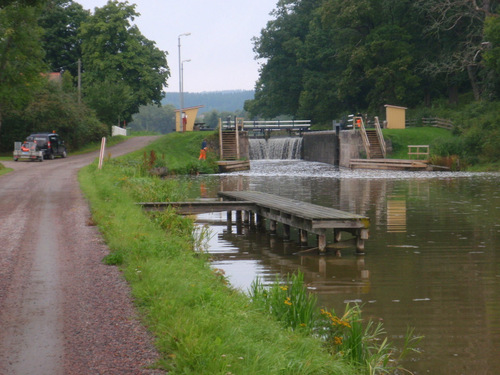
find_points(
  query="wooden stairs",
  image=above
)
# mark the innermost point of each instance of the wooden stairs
(229, 146)
(375, 147)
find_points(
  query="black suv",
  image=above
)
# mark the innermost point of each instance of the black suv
(49, 143)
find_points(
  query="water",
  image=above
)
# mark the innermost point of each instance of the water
(432, 261)
(275, 148)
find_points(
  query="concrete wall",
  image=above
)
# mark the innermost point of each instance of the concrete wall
(320, 146)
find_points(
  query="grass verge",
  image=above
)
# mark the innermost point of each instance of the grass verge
(201, 325)
(401, 138)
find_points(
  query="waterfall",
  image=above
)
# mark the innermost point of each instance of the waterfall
(276, 148)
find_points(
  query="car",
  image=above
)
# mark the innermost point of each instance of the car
(50, 144)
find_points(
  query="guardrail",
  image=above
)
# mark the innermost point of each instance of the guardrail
(414, 150)
(432, 121)
(270, 125)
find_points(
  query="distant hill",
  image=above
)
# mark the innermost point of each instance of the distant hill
(221, 101)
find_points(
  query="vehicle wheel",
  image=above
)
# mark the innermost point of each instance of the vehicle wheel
(64, 154)
(40, 159)
(16, 159)
(51, 156)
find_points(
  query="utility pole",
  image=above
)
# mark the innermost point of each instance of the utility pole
(79, 81)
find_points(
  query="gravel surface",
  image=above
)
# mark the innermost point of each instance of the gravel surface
(61, 310)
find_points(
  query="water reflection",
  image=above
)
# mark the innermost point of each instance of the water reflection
(432, 258)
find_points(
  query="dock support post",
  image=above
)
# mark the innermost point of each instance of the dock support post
(272, 226)
(322, 243)
(303, 237)
(260, 221)
(229, 216)
(337, 235)
(246, 217)
(238, 217)
(361, 236)
(286, 231)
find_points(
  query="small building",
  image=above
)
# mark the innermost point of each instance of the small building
(396, 116)
(188, 119)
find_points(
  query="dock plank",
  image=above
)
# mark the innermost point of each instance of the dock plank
(294, 207)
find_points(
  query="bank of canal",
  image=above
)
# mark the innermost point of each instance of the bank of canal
(432, 259)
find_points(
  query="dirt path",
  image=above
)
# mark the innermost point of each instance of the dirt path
(61, 310)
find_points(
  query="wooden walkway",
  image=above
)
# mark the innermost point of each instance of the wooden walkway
(391, 164)
(307, 217)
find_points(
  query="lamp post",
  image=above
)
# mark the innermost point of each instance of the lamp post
(182, 91)
(180, 82)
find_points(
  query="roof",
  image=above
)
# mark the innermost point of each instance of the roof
(394, 106)
(187, 108)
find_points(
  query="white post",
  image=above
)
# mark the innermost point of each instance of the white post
(101, 153)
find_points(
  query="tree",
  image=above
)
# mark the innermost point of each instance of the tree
(278, 88)
(152, 118)
(115, 51)
(457, 28)
(21, 56)
(61, 20)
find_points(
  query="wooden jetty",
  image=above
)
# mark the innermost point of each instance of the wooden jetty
(307, 217)
(391, 164)
(226, 166)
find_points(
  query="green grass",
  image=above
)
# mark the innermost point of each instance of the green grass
(201, 325)
(4, 170)
(179, 152)
(401, 138)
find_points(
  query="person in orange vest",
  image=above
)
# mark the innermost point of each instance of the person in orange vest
(203, 151)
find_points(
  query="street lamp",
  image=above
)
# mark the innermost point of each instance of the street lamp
(182, 73)
(182, 91)
(180, 82)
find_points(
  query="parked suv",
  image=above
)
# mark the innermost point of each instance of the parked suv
(49, 143)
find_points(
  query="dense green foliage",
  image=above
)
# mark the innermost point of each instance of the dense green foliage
(152, 118)
(326, 58)
(20, 57)
(121, 69)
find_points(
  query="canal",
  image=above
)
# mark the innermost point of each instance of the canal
(432, 261)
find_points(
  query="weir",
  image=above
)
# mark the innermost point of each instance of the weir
(275, 148)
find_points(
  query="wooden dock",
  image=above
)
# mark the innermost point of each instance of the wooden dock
(390, 164)
(307, 217)
(227, 166)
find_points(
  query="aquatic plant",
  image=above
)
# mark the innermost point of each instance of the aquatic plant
(348, 337)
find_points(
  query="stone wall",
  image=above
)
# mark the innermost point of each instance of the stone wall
(321, 146)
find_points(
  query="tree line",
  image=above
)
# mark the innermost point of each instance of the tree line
(108, 69)
(326, 58)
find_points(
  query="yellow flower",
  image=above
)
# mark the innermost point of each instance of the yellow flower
(337, 340)
(284, 287)
(288, 302)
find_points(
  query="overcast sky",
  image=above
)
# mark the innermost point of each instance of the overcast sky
(219, 47)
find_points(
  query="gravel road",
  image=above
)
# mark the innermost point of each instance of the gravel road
(61, 310)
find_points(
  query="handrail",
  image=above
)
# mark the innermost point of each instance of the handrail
(274, 124)
(358, 121)
(380, 136)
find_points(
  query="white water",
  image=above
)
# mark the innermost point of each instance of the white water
(275, 148)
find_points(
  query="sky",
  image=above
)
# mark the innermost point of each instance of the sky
(220, 45)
